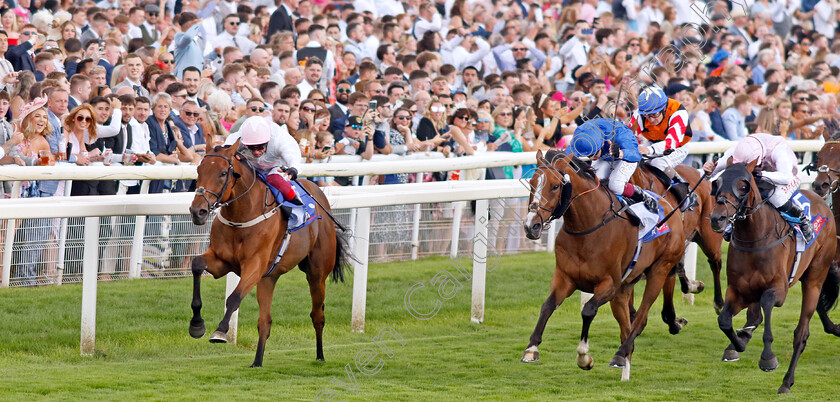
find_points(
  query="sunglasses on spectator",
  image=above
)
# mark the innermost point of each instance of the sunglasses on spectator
(403, 117)
(28, 33)
(483, 121)
(380, 91)
(343, 91)
(308, 109)
(519, 49)
(168, 61)
(190, 114)
(317, 99)
(437, 109)
(355, 127)
(256, 109)
(233, 22)
(635, 45)
(505, 114)
(152, 14)
(259, 147)
(85, 119)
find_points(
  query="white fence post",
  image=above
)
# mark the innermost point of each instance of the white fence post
(135, 260)
(415, 232)
(62, 239)
(90, 271)
(10, 242)
(362, 241)
(232, 281)
(456, 229)
(690, 264)
(479, 260)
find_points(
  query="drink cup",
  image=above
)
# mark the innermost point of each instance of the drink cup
(45, 157)
(107, 157)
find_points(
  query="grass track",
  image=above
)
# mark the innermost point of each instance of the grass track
(144, 351)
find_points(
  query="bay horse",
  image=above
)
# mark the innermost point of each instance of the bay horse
(592, 252)
(760, 263)
(696, 223)
(250, 249)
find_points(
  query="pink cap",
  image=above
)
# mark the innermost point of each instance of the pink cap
(30, 107)
(255, 131)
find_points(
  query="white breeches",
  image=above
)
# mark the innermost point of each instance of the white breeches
(619, 173)
(670, 161)
(782, 194)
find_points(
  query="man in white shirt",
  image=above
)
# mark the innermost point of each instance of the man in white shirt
(135, 18)
(317, 39)
(311, 76)
(429, 20)
(355, 42)
(575, 50)
(825, 18)
(230, 36)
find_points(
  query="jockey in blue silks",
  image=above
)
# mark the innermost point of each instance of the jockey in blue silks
(614, 151)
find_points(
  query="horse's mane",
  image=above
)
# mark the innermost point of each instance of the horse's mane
(584, 169)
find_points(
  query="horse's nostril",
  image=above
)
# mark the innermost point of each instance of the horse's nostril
(536, 227)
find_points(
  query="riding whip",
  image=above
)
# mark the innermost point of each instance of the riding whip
(704, 177)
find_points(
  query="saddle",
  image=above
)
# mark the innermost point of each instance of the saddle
(631, 215)
(678, 188)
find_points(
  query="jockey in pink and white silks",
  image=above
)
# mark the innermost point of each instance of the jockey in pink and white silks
(776, 163)
(272, 151)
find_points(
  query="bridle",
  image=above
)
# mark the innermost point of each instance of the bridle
(835, 183)
(742, 212)
(231, 172)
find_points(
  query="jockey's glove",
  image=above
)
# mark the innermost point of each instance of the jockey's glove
(292, 172)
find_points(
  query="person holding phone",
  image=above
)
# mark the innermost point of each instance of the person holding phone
(575, 50)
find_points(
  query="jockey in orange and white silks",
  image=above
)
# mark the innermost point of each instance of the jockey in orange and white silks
(776, 163)
(272, 151)
(663, 122)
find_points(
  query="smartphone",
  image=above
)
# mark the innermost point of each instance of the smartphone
(372, 105)
(563, 103)
(701, 98)
(588, 31)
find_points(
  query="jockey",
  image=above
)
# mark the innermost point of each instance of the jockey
(776, 163)
(616, 159)
(663, 122)
(272, 151)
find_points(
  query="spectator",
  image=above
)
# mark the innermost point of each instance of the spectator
(734, 118)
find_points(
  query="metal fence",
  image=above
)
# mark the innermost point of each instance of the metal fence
(49, 251)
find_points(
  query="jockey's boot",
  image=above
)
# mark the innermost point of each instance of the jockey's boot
(285, 188)
(296, 200)
(804, 223)
(640, 196)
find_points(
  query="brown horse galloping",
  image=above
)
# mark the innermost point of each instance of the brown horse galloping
(592, 252)
(696, 223)
(760, 264)
(249, 249)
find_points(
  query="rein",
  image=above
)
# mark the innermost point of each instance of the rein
(740, 215)
(218, 203)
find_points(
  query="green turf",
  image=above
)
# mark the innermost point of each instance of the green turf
(144, 351)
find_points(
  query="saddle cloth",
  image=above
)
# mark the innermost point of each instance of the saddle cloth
(647, 228)
(301, 215)
(817, 221)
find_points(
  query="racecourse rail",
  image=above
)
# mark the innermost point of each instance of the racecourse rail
(359, 199)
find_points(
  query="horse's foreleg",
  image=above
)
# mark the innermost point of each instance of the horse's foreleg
(730, 309)
(265, 291)
(604, 292)
(206, 261)
(655, 280)
(810, 298)
(317, 289)
(768, 360)
(234, 300)
(561, 288)
(669, 314)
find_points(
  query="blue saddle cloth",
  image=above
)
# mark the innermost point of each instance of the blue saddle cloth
(647, 228)
(302, 215)
(817, 221)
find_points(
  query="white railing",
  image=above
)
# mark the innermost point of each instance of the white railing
(359, 198)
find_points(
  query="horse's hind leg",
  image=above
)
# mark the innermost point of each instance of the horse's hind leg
(710, 243)
(199, 264)
(265, 292)
(827, 300)
(669, 314)
(317, 289)
(810, 298)
(561, 288)
(768, 360)
(619, 304)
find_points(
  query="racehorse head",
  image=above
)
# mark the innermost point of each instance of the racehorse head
(735, 190)
(827, 166)
(216, 178)
(551, 190)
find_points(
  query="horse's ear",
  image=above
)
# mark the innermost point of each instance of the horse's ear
(233, 148)
(751, 165)
(541, 158)
(208, 140)
(729, 162)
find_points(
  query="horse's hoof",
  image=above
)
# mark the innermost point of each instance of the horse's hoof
(617, 361)
(769, 364)
(585, 361)
(531, 355)
(731, 355)
(218, 337)
(679, 324)
(784, 390)
(700, 287)
(198, 331)
(255, 365)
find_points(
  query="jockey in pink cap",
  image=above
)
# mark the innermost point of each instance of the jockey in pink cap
(272, 151)
(776, 163)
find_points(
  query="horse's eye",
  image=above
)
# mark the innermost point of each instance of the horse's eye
(224, 173)
(555, 187)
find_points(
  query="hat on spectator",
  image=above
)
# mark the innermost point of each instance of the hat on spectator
(675, 88)
(353, 121)
(30, 107)
(152, 8)
(719, 56)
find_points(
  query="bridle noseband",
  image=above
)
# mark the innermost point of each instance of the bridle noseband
(566, 197)
(231, 172)
(834, 186)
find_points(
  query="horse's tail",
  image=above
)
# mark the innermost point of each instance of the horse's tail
(342, 255)
(830, 289)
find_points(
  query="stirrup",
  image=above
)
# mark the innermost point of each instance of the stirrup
(296, 200)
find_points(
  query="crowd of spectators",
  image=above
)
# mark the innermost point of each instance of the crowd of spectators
(152, 82)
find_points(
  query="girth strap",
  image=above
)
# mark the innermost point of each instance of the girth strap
(283, 247)
(252, 222)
